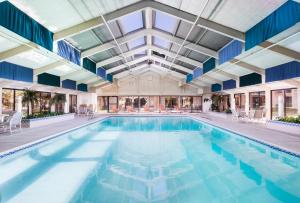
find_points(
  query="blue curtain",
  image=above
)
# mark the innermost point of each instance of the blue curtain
(69, 84)
(15, 20)
(232, 50)
(197, 72)
(229, 84)
(216, 87)
(109, 77)
(49, 79)
(250, 79)
(283, 71)
(101, 72)
(68, 52)
(189, 78)
(82, 87)
(89, 65)
(283, 18)
(15, 72)
(209, 65)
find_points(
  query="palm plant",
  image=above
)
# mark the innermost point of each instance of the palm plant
(58, 99)
(30, 97)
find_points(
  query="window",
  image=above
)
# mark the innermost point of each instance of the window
(240, 101)
(186, 103)
(113, 104)
(45, 102)
(197, 104)
(18, 102)
(284, 103)
(72, 103)
(7, 100)
(257, 100)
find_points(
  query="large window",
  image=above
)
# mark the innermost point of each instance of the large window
(8, 100)
(170, 102)
(240, 101)
(220, 102)
(257, 100)
(284, 103)
(191, 103)
(113, 104)
(197, 104)
(45, 102)
(72, 103)
(102, 104)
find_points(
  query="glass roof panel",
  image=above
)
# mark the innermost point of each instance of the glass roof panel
(131, 22)
(161, 43)
(136, 43)
(165, 22)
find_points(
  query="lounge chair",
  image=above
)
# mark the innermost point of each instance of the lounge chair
(12, 122)
(82, 110)
(91, 112)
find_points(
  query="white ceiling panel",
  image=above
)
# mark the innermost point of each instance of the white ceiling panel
(61, 70)
(244, 14)
(6, 44)
(236, 70)
(292, 43)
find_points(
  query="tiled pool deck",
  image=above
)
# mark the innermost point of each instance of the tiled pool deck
(285, 141)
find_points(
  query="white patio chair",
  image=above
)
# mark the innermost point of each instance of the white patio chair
(12, 122)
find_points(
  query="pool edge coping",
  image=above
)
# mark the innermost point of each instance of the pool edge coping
(50, 137)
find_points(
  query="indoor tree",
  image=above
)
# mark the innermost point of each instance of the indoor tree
(58, 99)
(30, 97)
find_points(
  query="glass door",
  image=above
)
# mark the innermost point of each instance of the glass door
(72, 103)
(113, 104)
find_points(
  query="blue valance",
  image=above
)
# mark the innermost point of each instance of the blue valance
(82, 87)
(283, 71)
(68, 52)
(101, 72)
(232, 50)
(109, 77)
(17, 21)
(209, 65)
(15, 72)
(189, 78)
(49, 79)
(197, 72)
(216, 87)
(250, 79)
(283, 18)
(229, 84)
(89, 65)
(69, 84)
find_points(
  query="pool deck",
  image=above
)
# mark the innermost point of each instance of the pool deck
(285, 141)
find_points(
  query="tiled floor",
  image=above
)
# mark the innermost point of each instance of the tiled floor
(289, 142)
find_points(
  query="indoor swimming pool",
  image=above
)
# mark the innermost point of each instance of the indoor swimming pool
(149, 159)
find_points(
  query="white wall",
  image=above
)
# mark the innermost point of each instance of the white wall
(148, 83)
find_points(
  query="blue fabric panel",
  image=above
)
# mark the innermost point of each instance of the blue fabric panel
(68, 52)
(216, 87)
(15, 72)
(101, 72)
(109, 77)
(250, 79)
(209, 65)
(82, 87)
(283, 71)
(283, 18)
(49, 79)
(197, 72)
(189, 78)
(89, 65)
(232, 50)
(69, 84)
(229, 84)
(15, 20)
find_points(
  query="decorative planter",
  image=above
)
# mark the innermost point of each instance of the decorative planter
(37, 122)
(288, 127)
(220, 114)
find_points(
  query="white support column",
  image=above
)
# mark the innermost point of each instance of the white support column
(66, 107)
(268, 103)
(148, 20)
(247, 102)
(298, 100)
(232, 101)
(0, 100)
(52, 109)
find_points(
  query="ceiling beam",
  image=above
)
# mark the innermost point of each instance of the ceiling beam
(168, 63)
(248, 66)
(281, 50)
(14, 51)
(127, 72)
(152, 32)
(221, 72)
(167, 71)
(48, 67)
(148, 25)
(130, 63)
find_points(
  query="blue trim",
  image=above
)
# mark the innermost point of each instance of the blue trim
(197, 72)
(49, 79)
(230, 51)
(101, 72)
(209, 65)
(189, 78)
(89, 65)
(69, 84)
(68, 52)
(283, 18)
(15, 72)
(283, 71)
(18, 22)
(216, 87)
(82, 87)
(109, 77)
(229, 84)
(250, 79)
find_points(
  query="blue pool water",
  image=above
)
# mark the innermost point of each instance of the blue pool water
(149, 159)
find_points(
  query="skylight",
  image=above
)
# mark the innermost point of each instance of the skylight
(131, 22)
(161, 43)
(165, 22)
(136, 43)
